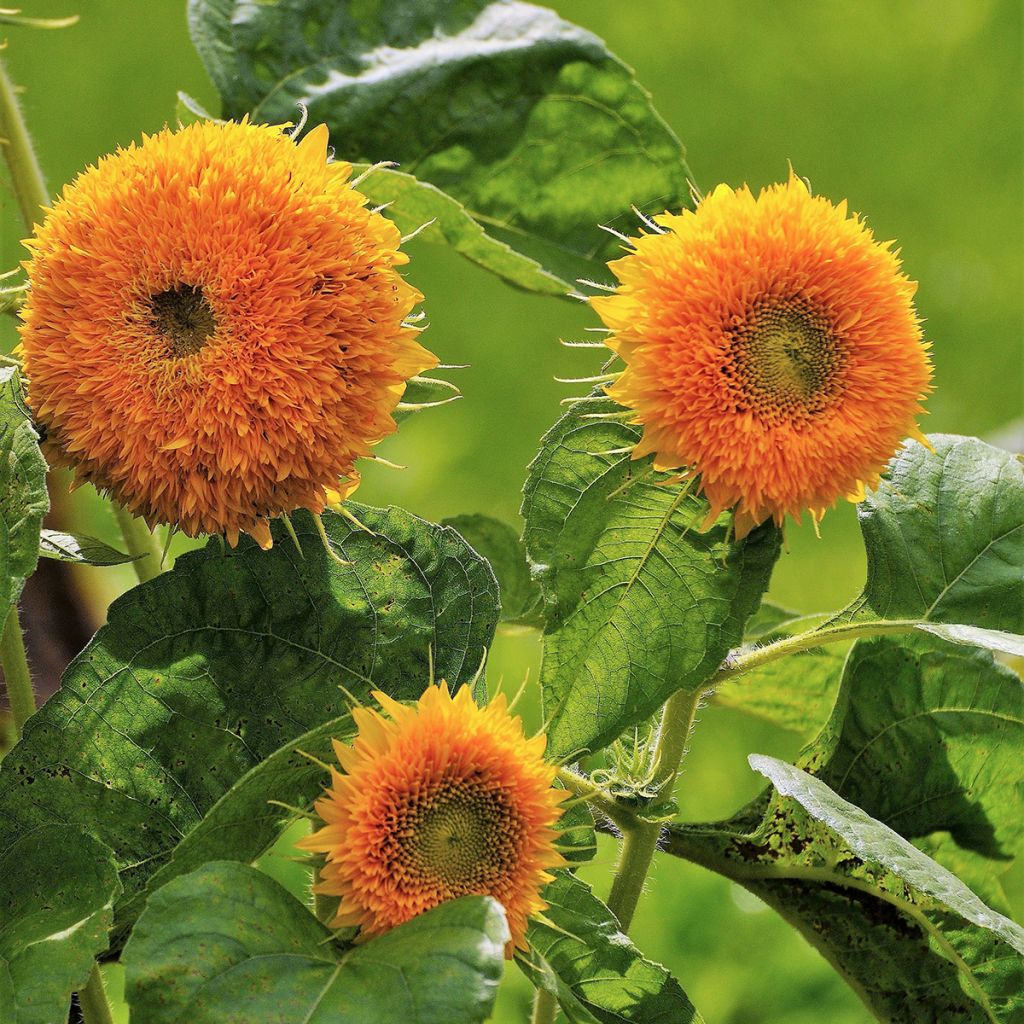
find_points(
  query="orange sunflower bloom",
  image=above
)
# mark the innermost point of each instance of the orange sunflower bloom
(771, 347)
(443, 799)
(215, 329)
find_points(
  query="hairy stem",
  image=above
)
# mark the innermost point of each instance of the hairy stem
(139, 541)
(16, 673)
(545, 1008)
(582, 787)
(26, 174)
(640, 842)
(93, 1000)
(741, 662)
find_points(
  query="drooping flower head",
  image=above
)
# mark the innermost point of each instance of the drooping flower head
(771, 347)
(440, 800)
(215, 329)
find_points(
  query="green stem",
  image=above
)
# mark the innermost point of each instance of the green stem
(640, 842)
(93, 1000)
(16, 673)
(623, 817)
(26, 174)
(545, 1008)
(740, 663)
(139, 541)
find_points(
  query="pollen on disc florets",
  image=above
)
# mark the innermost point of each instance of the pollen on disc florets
(439, 800)
(216, 329)
(771, 348)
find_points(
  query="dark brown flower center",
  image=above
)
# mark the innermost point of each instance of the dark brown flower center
(184, 318)
(786, 361)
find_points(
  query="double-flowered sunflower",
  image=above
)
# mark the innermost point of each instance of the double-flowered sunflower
(771, 348)
(438, 800)
(216, 330)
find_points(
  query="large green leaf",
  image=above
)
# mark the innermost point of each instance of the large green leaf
(228, 945)
(207, 670)
(503, 548)
(57, 889)
(526, 119)
(248, 818)
(578, 950)
(876, 843)
(23, 497)
(928, 737)
(639, 602)
(925, 744)
(945, 536)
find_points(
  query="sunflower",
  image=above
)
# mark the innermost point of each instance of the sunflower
(215, 329)
(443, 799)
(771, 348)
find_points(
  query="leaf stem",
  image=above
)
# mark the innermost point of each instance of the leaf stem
(92, 1000)
(640, 842)
(545, 1008)
(26, 174)
(139, 541)
(581, 786)
(740, 662)
(16, 671)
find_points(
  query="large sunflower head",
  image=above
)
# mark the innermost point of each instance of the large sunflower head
(771, 347)
(215, 329)
(439, 800)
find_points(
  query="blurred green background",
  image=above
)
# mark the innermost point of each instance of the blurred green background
(912, 110)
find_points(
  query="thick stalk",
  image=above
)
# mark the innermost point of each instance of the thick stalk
(739, 663)
(16, 674)
(139, 541)
(545, 1008)
(639, 843)
(26, 174)
(92, 1000)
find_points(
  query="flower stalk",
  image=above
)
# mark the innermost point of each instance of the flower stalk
(26, 174)
(141, 543)
(639, 843)
(16, 672)
(92, 1000)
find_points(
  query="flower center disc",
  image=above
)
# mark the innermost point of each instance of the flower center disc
(184, 318)
(787, 360)
(465, 839)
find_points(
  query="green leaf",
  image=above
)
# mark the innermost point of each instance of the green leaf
(972, 636)
(922, 755)
(929, 737)
(228, 945)
(71, 547)
(527, 120)
(945, 537)
(639, 602)
(797, 692)
(419, 208)
(248, 818)
(207, 670)
(598, 974)
(876, 843)
(502, 547)
(23, 497)
(57, 887)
